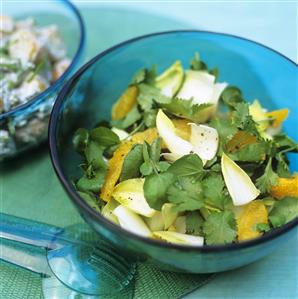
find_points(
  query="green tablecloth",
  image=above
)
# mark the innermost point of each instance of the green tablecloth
(30, 189)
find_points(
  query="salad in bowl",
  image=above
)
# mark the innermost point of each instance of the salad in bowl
(186, 159)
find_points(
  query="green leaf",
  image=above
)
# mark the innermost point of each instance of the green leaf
(144, 76)
(196, 63)
(155, 189)
(243, 120)
(148, 95)
(91, 200)
(186, 193)
(231, 96)
(261, 227)
(162, 166)
(268, 179)
(94, 155)
(285, 144)
(132, 163)
(220, 228)
(93, 184)
(194, 223)
(80, 140)
(215, 194)
(155, 150)
(131, 118)
(186, 109)
(251, 153)
(188, 165)
(284, 211)
(282, 168)
(104, 136)
(149, 118)
(146, 168)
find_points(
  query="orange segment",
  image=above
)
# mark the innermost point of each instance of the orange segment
(254, 213)
(116, 162)
(183, 128)
(285, 187)
(125, 103)
(278, 116)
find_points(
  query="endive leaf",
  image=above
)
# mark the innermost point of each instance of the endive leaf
(166, 130)
(239, 184)
(130, 194)
(131, 221)
(178, 238)
(170, 80)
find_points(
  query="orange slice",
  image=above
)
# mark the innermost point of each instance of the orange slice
(278, 116)
(116, 162)
(125, 103)
(285, 187)
(252, 214)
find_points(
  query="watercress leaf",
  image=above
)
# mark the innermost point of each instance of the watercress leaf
(132, 163)
(138, 77)
(196, 63)
(186, 194)
(282, 168)
(187, 109)
(148, 95)
(285, 144)
(188, 165)
(194, 223)
(80, 140)
(251, 152)
(231, 96)
(149, 118)
(215, 194)
(146, 168)
(94, 155)
(91, 200)
(268, 179)
(261, 227)
(220, 228)
(93, 184)
(131, 118)
(243, 120)
(155, 150)
(284, 211)
(155, 189)
(104, 136)
(163, 166)
(146, 151)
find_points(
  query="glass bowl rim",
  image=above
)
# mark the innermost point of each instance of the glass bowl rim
(74, 61)
(96, 216)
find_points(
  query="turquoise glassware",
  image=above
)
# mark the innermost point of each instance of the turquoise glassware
(88, 97)
(33, 116)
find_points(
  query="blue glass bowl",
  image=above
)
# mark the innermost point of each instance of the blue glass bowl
(27, 124)
(87, 99)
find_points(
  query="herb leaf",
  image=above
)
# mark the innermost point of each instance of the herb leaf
(194, 223)
(187, 109)
(188, 165)
(220, 228)
(284, 211)
(155, 189)
(94, 155)
(80, 140)
(104, 136)
(268, 179)
(132, 163)
(186, 194)
(92, 184)
(131, 118)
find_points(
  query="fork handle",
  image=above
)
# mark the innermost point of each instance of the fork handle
(29, 232)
